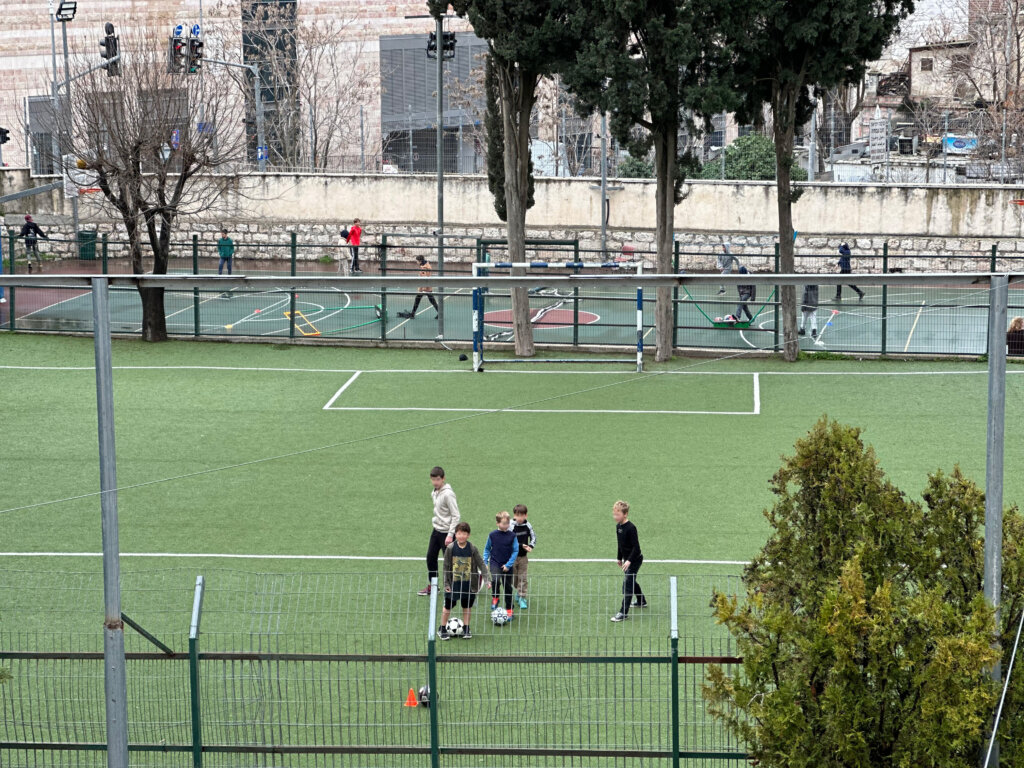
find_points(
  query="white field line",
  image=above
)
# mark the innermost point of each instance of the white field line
(563, 372)
(512, 409)
(388, 558)
(344, 386)
(85, 292)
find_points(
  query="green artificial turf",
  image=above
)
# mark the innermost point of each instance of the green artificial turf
(228, 449)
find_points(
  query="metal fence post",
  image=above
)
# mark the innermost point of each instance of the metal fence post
(992, 259)
(994, 462)
(383, 291)
(885, 297)
(675, 296)
(673, 605)
(193, 673)
(291, 301)
(115, 684)
(775, 308)
(435, 746)
(10, 293)
(104, 253)
(195, 291)
(576, 297)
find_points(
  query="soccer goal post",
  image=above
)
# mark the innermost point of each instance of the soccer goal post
(593, 316)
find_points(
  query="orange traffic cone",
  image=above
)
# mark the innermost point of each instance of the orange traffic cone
(410, 700)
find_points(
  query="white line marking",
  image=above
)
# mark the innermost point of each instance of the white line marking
(344, 386)
(85, 292)
(226, 556)
(513, 409)
(757, 394)
(913, 327)
(531, 372)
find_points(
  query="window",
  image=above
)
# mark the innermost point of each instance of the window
(960, 62)
(926, 65)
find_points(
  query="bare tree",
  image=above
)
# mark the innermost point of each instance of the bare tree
(140, 136)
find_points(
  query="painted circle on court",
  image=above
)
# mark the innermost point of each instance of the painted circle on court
(552, 319)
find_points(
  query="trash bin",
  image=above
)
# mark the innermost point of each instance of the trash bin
(87, 245)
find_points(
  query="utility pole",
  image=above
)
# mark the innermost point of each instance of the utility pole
(362, 140)
(54, 136)
(67, 119)
(725, 121)
(832, 138)
(888, 128)
(812, 155)
(604, 185)
(995, 438)
(1002, 154)
(439, 31)
(945, 135)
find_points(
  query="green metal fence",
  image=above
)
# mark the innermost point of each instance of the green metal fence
(932, 320)
(245, 669)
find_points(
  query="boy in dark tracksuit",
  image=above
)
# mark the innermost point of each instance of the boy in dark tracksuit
(629, 558)
(846, 268)
(747, 293)
(527, 539)
(500, 554)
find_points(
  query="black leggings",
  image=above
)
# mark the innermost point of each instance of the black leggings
(434, 548)
(501, 581)
(631, 587)
(419, 298)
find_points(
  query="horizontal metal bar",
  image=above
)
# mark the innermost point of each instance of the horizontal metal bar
(375, 658)
(30, 192)
(375, 283)
(89, 656)
(332, 749)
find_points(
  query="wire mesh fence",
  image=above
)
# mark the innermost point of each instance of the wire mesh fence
(307, 669)
(907, 318)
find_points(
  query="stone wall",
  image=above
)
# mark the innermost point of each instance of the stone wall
(944, 228)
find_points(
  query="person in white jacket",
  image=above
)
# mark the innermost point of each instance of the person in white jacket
(446, 517)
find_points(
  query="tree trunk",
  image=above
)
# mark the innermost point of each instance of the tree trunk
(516, 106)
(784, 118)
(154, 319)
(665, 172)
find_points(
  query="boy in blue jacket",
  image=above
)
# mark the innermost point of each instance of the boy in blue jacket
(846, 268)
(500, 553)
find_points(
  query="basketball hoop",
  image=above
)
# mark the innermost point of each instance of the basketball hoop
(1018, 209)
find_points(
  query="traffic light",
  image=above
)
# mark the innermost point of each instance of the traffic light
(109, 50)
(5, 135)
(432, 46)
(448, 45)
(195, 55)
(176, 54)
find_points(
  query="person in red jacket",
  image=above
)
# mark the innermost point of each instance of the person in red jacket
(355, 236)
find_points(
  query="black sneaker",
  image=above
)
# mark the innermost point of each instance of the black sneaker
(640, 604)
(814, 333)
(860, 296)
(801, 332)
(466, 634)
(444, 634)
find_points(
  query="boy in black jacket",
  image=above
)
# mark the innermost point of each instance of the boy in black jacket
(629, 559)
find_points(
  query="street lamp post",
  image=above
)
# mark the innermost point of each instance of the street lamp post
(65, 13)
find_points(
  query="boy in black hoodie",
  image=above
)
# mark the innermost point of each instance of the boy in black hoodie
(629, 559)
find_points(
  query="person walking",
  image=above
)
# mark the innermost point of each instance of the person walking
(726, 261)
(443, 523)
(354, 238)
(845, 268)
(31, 232)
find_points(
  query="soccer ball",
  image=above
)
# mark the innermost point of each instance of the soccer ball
(454, 626)
(499, 616)
(424, 696)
